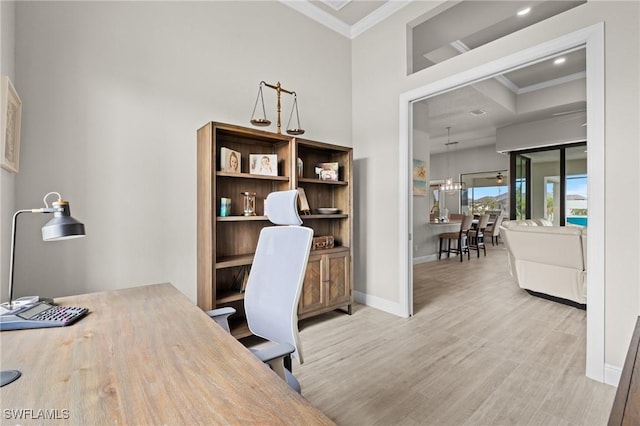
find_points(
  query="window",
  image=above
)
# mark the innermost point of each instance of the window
(485, 193)
(551, 183)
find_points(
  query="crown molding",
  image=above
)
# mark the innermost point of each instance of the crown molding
(554, 82)
(377, 16)
(335, 24)
(319, 16)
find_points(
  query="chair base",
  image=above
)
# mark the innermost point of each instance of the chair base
(461, 248)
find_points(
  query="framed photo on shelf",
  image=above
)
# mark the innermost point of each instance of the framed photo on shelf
(10, 119)
(327, 171)
(263, 164)
(230, 160)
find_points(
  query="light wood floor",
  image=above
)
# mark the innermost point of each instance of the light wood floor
(478, 351)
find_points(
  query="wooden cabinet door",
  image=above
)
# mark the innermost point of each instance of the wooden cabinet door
(338, 279)
(313, 295)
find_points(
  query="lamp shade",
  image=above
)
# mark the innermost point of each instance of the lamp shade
(62, 226)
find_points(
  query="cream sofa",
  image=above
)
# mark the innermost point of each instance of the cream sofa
(550, 260)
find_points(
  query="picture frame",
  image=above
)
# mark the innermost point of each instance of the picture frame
(263, 164)
(10, 123)
(328, 171)
(230, 161)
(419, 178)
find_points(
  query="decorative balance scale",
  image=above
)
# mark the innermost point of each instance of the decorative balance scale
(263, 121)
(250, 197)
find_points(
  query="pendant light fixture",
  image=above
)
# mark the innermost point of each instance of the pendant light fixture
(449, 185)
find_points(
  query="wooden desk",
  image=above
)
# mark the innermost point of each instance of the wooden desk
(144, 355)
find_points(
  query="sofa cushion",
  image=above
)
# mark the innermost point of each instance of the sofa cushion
(558, 281)
(561, 246)
(548, 259)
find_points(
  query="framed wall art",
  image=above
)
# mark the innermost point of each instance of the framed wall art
(419, 178)
(10, 119)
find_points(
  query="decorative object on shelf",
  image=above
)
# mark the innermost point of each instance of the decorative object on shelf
(299, 167)
(225, 206)
(419, 178)
(449, 185)
(241, 279)
(327, 210)
(263, 121)
(249, 204)
(10, 119)
(230, 160)
(303, 204)
(263, 164)
(323, 242)
(327, 171)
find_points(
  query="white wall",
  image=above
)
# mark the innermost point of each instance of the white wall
(7, 179)
(113, 94)
(376, 132)
(421, 204)
(535, 134)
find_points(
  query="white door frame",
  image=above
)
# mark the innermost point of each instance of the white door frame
(592, 38)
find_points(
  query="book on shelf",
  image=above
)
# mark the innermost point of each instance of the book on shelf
(303, 203)
(241, 279)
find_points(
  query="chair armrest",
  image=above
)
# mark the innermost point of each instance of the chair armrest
(221, 316)
(273, 352)
(274, 356)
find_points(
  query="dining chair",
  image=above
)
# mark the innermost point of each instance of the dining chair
(493, 230)
(460, 237)
(476, 235)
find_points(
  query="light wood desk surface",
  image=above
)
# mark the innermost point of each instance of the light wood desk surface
(145, 355)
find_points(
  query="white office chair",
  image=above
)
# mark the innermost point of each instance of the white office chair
(275, 283)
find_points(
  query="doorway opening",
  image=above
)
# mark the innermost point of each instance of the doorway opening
(592, 39)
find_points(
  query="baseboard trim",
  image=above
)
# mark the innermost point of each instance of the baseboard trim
(612, 374)
(385, 305)
(425, 259)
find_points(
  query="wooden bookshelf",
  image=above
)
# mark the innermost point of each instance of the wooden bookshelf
(225, 244)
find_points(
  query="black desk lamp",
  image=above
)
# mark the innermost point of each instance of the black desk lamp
(61, 227)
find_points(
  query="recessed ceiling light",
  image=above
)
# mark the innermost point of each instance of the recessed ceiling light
(477, 112)
(560, 61)
(524, 11)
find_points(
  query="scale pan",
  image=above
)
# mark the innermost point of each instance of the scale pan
(260, 122)
(295, 131)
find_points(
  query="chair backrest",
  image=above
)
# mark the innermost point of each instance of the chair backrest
(276, 276)
(467, 222)
(496, 225)
(484, 220)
